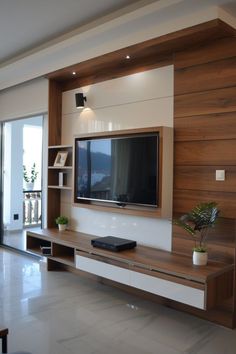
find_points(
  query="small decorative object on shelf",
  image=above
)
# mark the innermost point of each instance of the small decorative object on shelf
(61, 179)
(197, 223)
(62, 222)
(60, 159)
(46, 251)
(30, 178)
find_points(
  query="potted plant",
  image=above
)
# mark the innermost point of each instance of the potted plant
(198, 223)
(62, 222)
(30, 178)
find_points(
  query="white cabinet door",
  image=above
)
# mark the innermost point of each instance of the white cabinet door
(104, 270)
(170, 290)
(174, 291)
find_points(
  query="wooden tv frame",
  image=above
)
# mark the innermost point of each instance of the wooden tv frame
(165, 162)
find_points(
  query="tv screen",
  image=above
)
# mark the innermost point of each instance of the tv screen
(122, 170)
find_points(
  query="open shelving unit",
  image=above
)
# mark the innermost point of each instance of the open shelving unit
(54, 187)
(53, 171)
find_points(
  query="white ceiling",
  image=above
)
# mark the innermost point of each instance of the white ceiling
(41, 36)
(26, 24)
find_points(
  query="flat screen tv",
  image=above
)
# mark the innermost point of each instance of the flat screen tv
(122, 170)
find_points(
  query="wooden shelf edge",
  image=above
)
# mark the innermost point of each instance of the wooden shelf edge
(60, 147)
(62, 260)
(60, 168)
(58, 187)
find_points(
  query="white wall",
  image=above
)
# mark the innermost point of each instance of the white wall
(13, 179)
(24, 100)
(135, 101)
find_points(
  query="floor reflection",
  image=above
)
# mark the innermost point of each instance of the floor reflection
(59, 312)
(17, 238)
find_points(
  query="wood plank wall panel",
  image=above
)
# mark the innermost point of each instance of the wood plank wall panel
(54, 198)
(213, 51)
(184, 200)
(223, 226)
(209, 153)
(206, 127)
(54, 138)
(222, 253)
(205, 102)
(55, 113)
(203, 178)
(115, 71)
(205, 140)
(205, 77)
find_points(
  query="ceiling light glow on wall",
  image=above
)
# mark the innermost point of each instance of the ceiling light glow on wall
(79, 100)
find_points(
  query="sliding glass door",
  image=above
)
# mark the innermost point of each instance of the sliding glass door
(21, 179)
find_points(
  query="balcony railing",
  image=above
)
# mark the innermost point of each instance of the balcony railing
(32, 212)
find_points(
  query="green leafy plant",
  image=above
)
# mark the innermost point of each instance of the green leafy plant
(198, 223)
(62, 220)
(32, 176)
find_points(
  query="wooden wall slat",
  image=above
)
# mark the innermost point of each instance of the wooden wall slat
(215, 101)
(210, 153)
(54, 113)
(220, 253)
(53, 206)
(153, 48)
(205, 77)
(116, 71)
(185, 200)
(222, 233)
(206, 127)
(203, 178)
(205, 140)
(212, 51)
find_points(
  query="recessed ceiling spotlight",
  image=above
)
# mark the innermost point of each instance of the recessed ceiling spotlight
(127, 57)
(73, 73)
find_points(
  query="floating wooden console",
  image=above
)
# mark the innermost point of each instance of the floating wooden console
(166, 274)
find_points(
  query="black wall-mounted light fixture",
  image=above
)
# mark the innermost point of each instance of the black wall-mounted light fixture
(79, 100)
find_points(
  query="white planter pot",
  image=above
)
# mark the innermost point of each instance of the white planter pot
(62, 227)
(29, 186)
(200, 258)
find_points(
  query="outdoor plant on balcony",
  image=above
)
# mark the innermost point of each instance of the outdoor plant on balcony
(30, 178)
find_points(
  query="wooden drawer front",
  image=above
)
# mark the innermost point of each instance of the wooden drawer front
(105, 270)
(174, 291)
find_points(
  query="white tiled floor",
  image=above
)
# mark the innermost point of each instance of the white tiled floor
(62, 313)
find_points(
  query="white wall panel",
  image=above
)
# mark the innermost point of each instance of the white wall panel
(146, 231)
(144, 86)
(156, 112)
(134, 101)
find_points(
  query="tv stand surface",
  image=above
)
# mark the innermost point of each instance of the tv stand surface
(166, 274)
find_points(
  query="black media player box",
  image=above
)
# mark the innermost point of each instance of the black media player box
(111, 243)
